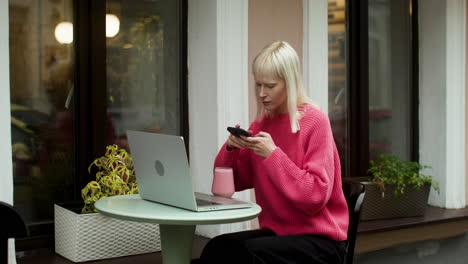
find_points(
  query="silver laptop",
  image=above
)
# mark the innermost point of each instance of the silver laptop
(162, 172)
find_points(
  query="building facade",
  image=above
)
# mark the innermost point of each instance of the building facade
(390, 75)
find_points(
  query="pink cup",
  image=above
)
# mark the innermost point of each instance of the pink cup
(223, 182)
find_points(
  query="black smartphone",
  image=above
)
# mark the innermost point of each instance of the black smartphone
(236, 131)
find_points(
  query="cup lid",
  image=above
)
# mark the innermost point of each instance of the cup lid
(223, 168)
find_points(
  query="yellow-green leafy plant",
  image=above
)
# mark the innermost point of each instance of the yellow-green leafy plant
(116, 176)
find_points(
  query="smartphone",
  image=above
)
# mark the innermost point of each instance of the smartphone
(236, 131)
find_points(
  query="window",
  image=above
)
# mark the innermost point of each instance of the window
(390, 78)
(143, 67)
(41, 80)
(338, 110)
(373, 86)
(82, 73)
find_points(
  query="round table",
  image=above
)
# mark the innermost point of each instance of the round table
(176, 225)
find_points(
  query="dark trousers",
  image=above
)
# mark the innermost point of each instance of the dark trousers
(263, 246)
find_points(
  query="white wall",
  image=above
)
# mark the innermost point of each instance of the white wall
(217, 85)
(6, 176)
(315, 47)
(287, 25)
(442, 95)
(466, 116)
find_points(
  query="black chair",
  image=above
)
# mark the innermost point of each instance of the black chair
(354, 193)
(13, 226)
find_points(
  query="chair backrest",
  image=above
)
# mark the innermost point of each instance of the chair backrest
(354, 193)
(13, 226)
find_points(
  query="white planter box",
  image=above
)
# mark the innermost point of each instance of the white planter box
(85, 237)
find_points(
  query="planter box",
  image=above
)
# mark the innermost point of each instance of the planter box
(412, 203)
(85, 237)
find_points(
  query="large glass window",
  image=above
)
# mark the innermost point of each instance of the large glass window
(337, 81)
(390, 78)
(82, 73)
(143, 76)
(41, 81)
(372, 80)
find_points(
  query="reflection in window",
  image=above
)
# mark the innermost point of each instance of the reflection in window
(143, 71)
(337, 90)
(390, 78)
(41, 78)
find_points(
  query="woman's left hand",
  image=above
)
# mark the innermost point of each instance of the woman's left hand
(262, 144)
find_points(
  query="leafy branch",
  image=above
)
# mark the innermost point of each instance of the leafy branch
(390, 169)
(116, 176)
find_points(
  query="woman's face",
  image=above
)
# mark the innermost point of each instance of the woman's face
(272, 93)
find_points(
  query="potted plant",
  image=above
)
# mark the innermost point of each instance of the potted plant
(116, 176)
(81, 234)
(396, 188)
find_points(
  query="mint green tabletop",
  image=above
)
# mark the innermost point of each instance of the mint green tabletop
(132, 207)
(177, 226)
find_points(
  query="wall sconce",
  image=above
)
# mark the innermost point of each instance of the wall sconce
(64, 32)
(112, 25)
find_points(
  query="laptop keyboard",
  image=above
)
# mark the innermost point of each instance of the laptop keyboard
(201, 202)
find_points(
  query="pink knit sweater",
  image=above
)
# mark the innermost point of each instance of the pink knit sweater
(298, 185)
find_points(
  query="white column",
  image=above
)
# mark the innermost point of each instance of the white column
(442, 97)
(232, 54)
(217, 58)
(6, 177)
(456, 23)
(315, 51)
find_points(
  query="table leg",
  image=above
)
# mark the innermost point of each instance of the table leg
(176, 243)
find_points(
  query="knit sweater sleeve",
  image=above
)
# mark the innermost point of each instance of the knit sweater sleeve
(307, 186)
(239, 160)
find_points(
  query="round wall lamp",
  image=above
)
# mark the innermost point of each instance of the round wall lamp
(64, 32)
(112, 25)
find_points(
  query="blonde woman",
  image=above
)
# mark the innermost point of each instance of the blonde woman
(292, 163)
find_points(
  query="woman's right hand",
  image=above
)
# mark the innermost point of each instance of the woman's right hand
(235, 142)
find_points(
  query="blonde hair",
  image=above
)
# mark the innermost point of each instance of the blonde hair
(280, 61)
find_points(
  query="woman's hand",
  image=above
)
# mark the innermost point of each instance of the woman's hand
(262, 144)
(236, 142)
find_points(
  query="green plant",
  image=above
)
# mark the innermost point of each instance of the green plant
(390, 169)
(116, 176)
